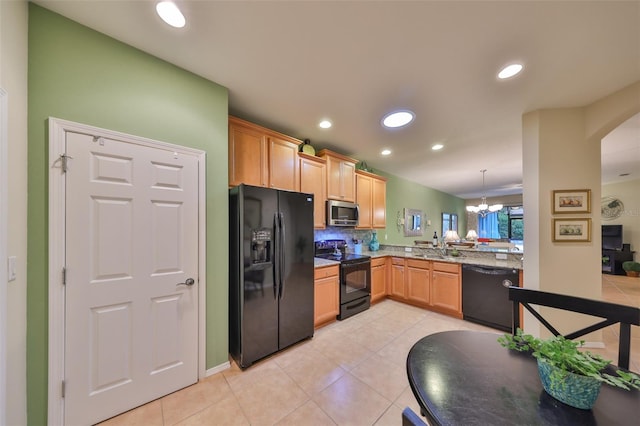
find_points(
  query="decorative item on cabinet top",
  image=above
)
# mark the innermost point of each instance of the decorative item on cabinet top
(307, 148)
(364, 167)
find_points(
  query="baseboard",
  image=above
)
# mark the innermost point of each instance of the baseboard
(217, 369)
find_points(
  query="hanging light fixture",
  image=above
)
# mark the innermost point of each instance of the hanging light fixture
(483, 208)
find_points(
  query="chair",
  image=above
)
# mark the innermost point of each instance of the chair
(410, 418)
(612, 313)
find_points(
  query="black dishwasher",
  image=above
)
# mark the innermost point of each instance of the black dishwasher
(485, 295)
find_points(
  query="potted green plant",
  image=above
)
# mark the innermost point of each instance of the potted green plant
(568, 374)
(631, 268)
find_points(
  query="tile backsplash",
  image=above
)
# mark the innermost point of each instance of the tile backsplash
(342, 233)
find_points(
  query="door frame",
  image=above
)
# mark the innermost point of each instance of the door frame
(57, 261)
(4, 278)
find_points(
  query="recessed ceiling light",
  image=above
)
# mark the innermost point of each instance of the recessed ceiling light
(385, 152)
(510, 71)
(325, 124)
(169, 12)
(437, 147)
(398, 119)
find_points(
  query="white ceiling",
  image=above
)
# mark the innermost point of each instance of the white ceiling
(289, 64)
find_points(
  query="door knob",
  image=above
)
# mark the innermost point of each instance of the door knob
(188, 282)
(505, 283)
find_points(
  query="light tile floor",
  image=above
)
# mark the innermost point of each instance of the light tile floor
(351, 373)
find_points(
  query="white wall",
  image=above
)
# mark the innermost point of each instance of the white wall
(629, 193)
(561, 150)
(13, 79)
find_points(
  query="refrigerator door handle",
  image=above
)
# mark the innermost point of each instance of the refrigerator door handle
(276, 256)
(282, 254)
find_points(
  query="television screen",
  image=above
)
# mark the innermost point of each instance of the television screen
(612, 237)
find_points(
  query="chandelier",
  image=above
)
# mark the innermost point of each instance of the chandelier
(483, 208)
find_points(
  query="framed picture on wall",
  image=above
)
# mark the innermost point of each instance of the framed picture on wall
(571, 201)
(572, 230)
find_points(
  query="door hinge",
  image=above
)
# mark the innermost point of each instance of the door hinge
(64, 160)
(64, 276)
(63, 388)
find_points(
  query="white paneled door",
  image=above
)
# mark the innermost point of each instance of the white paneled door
(131, 293)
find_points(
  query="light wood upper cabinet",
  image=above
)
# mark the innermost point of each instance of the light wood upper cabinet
(247, 154)
(313, 180)
(371, 196)
(378, 278)
(364, 198)
(341, 176)
(283, 164)
(262, 157)
(379, 205)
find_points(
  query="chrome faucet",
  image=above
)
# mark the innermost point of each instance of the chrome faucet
(443, 248)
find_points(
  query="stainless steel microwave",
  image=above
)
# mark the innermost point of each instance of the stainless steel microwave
(341, 213)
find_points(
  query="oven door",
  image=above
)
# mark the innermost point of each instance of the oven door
(355, 280)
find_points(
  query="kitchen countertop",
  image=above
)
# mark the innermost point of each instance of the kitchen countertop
(465, 257)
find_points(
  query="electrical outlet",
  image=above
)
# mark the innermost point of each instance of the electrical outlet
(501, 256)
(407, 249)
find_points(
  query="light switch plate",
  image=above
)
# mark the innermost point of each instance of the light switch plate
(407, 249)
(11, 268)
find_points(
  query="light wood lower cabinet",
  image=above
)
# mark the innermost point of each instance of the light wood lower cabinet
(397, 282)
(327, 296)
(378, 279)
(446, 294)
(418, 279)
(433, 285)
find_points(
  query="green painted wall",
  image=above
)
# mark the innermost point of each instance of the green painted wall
(402, 193)
(80, 75)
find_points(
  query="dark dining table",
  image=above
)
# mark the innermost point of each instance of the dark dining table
(467, 378)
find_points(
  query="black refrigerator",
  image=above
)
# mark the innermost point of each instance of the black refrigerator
(270, 271)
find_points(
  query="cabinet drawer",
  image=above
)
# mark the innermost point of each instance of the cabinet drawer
(416, 263)
(454, 268)
(397, 261)
(380, 261)
(326, 271)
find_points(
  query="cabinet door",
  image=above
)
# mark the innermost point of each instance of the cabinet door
(378, 280)
(327, 299)
(364, 192)
(283, 164)
(348, 181)
(379, 203)
(397, 279)
(334, 178)
(247, 156)
(418, 282)
(445, 291)
(312, 181)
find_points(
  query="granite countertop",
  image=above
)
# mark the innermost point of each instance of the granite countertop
(465, 257)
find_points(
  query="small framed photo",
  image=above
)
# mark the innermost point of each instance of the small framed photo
(571, 201)
(572, 230)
